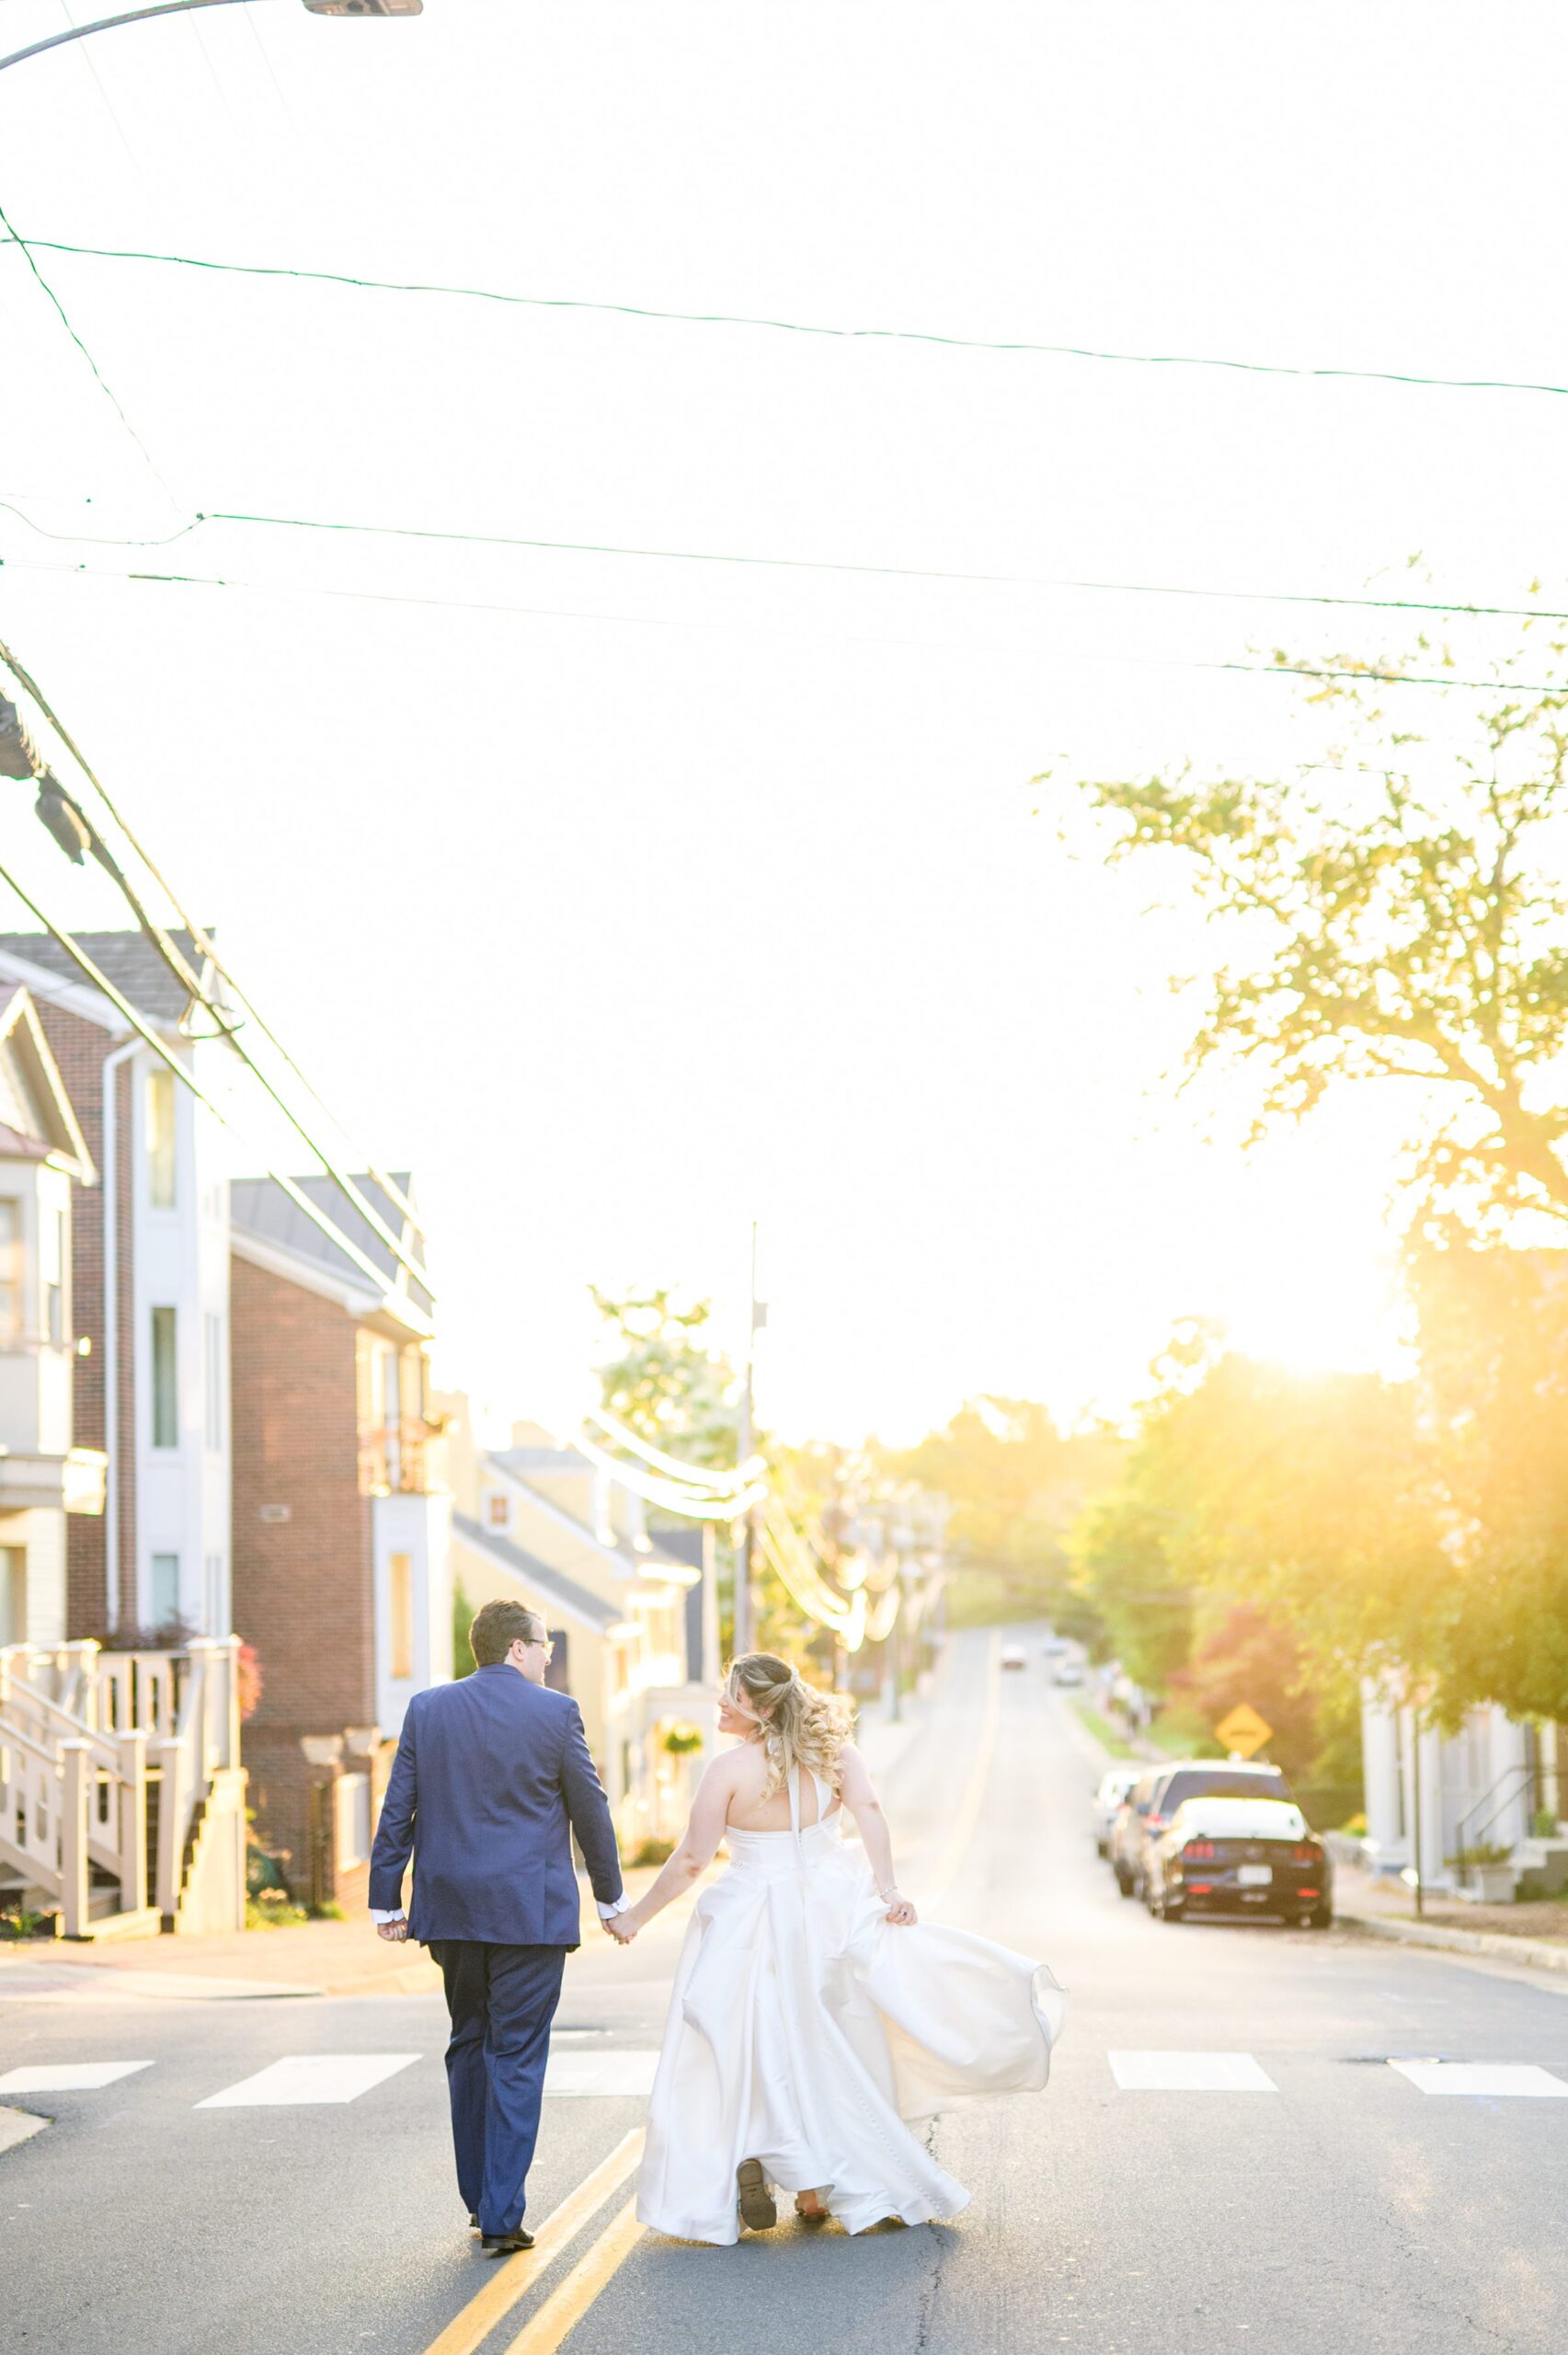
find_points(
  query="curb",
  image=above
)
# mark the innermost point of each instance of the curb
(1494, 1943)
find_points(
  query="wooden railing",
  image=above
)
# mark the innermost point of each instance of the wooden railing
(82, 1731)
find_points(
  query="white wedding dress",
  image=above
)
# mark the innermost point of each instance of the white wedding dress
(805, 2030)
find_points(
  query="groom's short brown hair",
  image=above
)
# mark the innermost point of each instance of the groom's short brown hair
(496, 1626)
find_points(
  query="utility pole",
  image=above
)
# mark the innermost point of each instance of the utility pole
(745, 1615)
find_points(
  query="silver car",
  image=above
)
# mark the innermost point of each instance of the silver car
(1112, 1788)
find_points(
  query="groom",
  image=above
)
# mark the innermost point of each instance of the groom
(490, 1772)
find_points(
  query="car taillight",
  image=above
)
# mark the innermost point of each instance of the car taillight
(1157, 1822)
(1196, 1848)
(1306, 1852)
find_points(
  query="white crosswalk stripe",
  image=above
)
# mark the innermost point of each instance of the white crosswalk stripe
(1189, 2072)
(572, 2073)
(1509, 2079)
(308, 2077)
(68, 2077)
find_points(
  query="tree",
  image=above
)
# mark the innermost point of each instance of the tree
(665, 1383)
(1014, 1484)
(1494, 1345)
(1384, 928)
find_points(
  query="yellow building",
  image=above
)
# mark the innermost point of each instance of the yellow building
(632, 1615)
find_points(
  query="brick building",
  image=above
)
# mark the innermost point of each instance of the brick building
(341, 1518)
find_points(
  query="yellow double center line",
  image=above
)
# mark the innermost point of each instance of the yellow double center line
(565, 2307)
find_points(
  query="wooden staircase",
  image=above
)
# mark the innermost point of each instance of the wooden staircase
(122, 1795)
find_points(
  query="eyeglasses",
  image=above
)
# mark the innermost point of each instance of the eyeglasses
(540, 1644)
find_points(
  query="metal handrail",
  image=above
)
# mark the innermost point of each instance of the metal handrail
(1467, 1829)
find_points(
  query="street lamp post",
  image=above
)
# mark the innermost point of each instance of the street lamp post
(182, 7)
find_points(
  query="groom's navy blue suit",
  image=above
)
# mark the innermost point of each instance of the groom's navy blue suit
(492, 1776)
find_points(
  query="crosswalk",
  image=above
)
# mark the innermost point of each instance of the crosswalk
(303, 2080)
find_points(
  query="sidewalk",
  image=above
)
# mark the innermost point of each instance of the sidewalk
(306, 1958)
(1534, 1934)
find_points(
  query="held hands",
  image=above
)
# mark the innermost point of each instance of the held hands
(623, 1928)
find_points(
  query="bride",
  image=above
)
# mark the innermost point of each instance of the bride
(812, 2016)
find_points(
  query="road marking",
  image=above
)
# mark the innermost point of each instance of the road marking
(953, 1854)
(516, 2276)
(68, 2077)
(566, 2307)
(1189, 2072)
(1511, 2080)
(572, 2073)
(305, 2077)
(16, 2125)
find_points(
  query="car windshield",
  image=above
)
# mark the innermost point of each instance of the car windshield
(1206, 1783)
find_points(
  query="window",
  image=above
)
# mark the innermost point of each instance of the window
(13, 1594)
(557, 1676)
(166, 1588)
(401, 1581)
(10, 1269)
(166, 1384)
(52, 1273)
(212, 1327)
(499, 1510)
(160, 1138)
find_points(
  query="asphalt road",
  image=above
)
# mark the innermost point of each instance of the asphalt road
(1337, 2206)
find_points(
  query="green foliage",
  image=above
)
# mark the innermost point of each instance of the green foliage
(274, 1909)
(1103, 1731)
(1386, 928)
(1014, 1484)
(663, 1381)
(462, 1661)
(23, 1923)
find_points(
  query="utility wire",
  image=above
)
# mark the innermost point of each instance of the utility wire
(103, 387)
(340, 1179)
(100, 980)
(1367, 676)
(327, 524)
(805, 327)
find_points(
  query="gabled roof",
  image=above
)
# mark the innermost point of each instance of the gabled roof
(550, 1585)
(33, 1092)
(516, 1464)
(261, 1213)
(129, 959)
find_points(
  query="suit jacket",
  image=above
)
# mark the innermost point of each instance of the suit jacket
(492, 1776)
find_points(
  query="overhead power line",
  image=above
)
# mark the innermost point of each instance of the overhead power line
(104, 387)
(802, 326)
(344, 1182)
(100, 980)
(1366, 676)
(750, 559)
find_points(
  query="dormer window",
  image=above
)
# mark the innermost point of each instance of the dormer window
(499, 1510)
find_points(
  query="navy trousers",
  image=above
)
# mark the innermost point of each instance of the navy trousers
(502, 2000)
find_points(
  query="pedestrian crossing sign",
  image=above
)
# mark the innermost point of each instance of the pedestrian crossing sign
(1243, 1729)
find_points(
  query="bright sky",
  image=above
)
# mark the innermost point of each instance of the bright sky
(679, 894)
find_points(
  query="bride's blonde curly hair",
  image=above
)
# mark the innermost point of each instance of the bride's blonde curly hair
(800, 1725)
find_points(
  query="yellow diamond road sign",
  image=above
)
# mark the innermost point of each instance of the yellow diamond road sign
(1243, 1729)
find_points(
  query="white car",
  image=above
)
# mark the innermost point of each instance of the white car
(1114, 1787)
(1069, 1672)
(1015, 1656)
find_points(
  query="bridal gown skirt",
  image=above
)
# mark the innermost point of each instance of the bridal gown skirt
(805, 2030)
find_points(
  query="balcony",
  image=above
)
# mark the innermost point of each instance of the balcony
(70, 1483)
(394, 1457)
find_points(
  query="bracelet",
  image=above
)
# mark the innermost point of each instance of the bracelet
(887, 1895)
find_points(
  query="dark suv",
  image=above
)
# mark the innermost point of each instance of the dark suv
(1162, 1791)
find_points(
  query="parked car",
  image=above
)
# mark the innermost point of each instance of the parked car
(1113, 1787)
(1068, 1671)
(1156, 1799)
(1015, 1656)
(1238, 1856)
(1126, 1842)
(1053, 1645)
